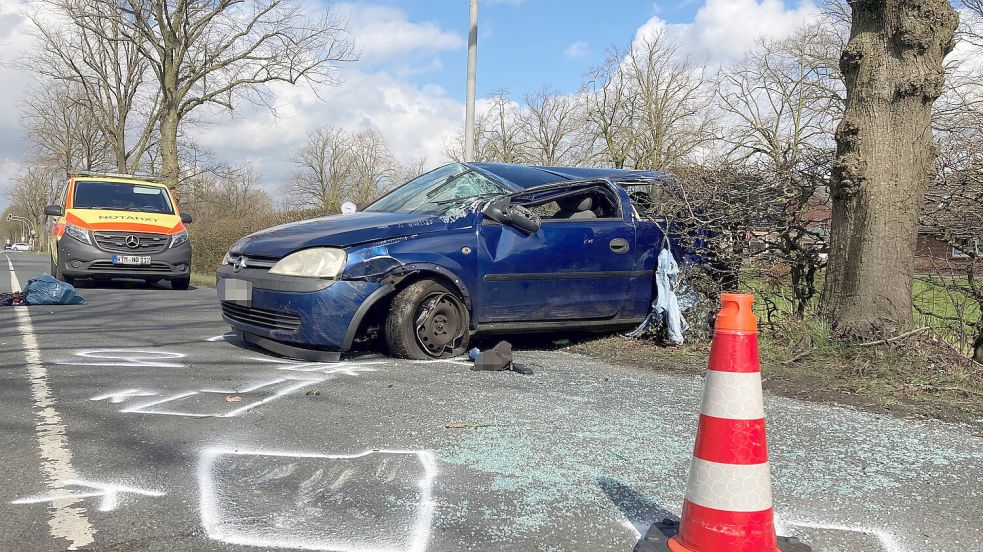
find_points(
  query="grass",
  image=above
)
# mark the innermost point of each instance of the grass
(202, 279)
(920, 376)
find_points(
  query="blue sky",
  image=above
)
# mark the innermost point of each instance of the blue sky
(409, 82)
(524, 45)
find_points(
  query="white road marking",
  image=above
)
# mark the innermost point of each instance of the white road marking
(67, 521)
(117, 397)
(886, 539)
(108, 491)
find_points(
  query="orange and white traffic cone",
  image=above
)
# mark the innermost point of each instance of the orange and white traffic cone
(728, 504)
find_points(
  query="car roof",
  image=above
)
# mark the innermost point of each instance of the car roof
(527, 176)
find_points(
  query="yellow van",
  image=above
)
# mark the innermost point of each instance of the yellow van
(118, 226)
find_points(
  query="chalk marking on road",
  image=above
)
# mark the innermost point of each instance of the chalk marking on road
(223, 337)
(135, 358)
(109, 492)
(151, 407)
(885, 538)
(348, 370)
(117, 397)
(219, 527)
(67, 521)
(460, 361)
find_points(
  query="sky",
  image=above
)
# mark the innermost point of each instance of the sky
(409, 80)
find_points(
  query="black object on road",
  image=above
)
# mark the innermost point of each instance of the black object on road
(499, 358)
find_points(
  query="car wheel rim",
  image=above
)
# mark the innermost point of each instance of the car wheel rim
(439, 327)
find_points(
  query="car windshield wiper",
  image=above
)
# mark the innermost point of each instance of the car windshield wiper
(450, 180)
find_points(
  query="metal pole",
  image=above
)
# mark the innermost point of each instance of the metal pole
(469, 145)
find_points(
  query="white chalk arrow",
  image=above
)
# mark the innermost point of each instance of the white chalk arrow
(108, 491)
(117, 397)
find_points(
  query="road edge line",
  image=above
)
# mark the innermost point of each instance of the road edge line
(67, 520)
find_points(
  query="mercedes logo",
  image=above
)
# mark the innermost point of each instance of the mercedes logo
(132, 242)
(239, 264)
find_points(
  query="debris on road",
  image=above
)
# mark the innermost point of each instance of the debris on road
(459, 425)
(233, 398)
(497, 359)
(44, 289)
(11, 299)
(313, 392)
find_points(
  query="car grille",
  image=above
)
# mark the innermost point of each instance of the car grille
(108, 266)
(263, 318)
(116, 242)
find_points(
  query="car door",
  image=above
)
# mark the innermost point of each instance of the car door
(571, 269)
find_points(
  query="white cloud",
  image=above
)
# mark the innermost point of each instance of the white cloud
(383, 35)
(724, 29)
(14, 43)
(577, 50)
(416, 121)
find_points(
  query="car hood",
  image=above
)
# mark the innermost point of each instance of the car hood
(337, 231)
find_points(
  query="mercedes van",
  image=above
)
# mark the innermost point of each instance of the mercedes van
(108, 226)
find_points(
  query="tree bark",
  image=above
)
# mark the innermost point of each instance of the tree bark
(169, 162)
(893, 71)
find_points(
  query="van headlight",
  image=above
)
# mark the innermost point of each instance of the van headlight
(317, 262)
(77, 233)
(179, 238)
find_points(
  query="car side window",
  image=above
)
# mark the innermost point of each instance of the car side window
(584, 204)
(644, 198)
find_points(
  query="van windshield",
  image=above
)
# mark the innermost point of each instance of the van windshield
(437, 191)
(120, 196)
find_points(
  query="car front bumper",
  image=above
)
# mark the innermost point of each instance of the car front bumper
(300, 316)
(79, 260)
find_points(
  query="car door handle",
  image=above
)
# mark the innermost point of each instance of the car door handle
(619, 245)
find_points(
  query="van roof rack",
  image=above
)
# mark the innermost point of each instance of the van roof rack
(137, 176)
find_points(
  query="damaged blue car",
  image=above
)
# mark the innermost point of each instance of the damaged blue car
(465, 248)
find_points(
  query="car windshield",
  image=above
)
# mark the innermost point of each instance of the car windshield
(120, 196)
(437, 191)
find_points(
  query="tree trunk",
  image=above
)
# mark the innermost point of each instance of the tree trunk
(169, 162)
(893, 70)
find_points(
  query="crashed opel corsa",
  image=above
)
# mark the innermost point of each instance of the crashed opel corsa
(465, 248)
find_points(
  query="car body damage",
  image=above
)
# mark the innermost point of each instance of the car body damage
(466, 248)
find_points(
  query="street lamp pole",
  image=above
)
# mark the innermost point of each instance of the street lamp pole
(469, 145)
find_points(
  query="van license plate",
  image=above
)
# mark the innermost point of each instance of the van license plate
(130, 260)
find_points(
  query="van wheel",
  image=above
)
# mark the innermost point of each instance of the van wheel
(427, 320)
(57, 273)
(181, 283)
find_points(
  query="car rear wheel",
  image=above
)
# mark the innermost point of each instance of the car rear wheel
(427, 320)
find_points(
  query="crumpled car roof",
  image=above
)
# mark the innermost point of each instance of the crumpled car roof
(527, 176)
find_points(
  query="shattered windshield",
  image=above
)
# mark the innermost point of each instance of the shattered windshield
(437, 191)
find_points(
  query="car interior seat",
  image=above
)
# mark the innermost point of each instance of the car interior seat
(576, 207)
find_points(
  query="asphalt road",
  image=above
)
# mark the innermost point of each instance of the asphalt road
(131, 423)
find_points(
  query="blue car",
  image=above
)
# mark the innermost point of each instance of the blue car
(465, 248)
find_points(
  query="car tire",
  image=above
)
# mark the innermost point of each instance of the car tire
(426, 320)
(181, 283)
(58, 274)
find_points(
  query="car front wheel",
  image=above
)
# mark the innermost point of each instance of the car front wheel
(181, 283)
(427, 320)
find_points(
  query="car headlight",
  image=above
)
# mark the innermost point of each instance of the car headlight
(227, 259)
(318, 262)
(179, 238)
(78, 233)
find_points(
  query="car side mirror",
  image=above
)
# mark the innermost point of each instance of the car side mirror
(516, 216)
(186, 218)
(54, 210)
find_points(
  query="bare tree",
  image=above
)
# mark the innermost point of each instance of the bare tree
(672, 115)
(552, 123)
(219, 52)
(33, 189)
(610, 110)
(782, 102)
(503, 138)
(61, 130)
(107, 72)
(336, 166)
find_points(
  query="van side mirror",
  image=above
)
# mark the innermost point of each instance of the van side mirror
(54, 210)
(186, 218)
